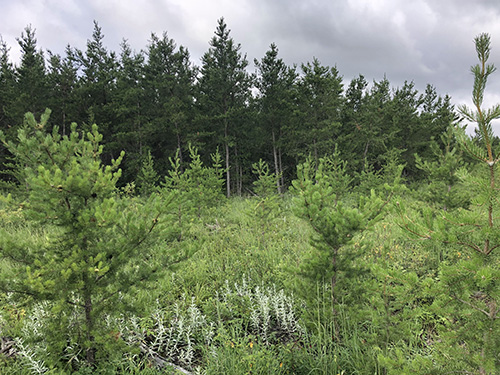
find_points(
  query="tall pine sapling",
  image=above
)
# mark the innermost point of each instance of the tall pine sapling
(268, 200)
(199, 186)
(470, 284)
(320, 200)
(443, 185)
(94, 254)
(147, 177)
(475, 283)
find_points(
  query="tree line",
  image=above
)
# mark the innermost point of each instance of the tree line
(157, 103)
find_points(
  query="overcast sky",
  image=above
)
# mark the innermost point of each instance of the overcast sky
(425, 41)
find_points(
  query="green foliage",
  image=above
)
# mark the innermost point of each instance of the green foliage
(268, 201)
(147, 177)
(199, 187)
(442, 172)
(470, 283)
(81, 274)
(156, 99)
(316, 124)
(166, 117)
(223, 93)
(335, 223)
(266, 183)
(90, 251)
(276, 84)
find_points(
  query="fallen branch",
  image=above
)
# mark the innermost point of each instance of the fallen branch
(161, 362)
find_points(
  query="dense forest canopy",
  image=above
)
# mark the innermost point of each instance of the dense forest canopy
(158, 102)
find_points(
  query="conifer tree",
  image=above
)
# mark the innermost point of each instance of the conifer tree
(199, 187)
(130, 103)
(443, 184)
(147, 177)
(276, 85)
(97, 79)
(31, 78)
(321, 200)
(470, 283)
(7, 96)
(223, 93)
(353, 114)
(62, 79)
(168, 84)
(475, 283)
(268, 201)
(94, 254)
(317, 123)
(7, 84)
(375, 130)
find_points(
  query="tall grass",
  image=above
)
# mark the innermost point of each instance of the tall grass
(234, 307)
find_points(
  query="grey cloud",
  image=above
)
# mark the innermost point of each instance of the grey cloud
(426, 41)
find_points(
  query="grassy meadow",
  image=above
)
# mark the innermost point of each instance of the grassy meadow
(236, 301)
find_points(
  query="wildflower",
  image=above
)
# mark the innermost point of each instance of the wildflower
(251, 344)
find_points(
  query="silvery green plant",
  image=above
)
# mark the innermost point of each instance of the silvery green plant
(31, 348)
(271, 311)
(31, 357)
(171, 338)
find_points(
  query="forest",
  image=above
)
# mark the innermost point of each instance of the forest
(159, 217)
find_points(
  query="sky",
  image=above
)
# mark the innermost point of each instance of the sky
(424, 41)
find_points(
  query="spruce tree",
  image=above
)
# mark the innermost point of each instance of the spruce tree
(94, 253)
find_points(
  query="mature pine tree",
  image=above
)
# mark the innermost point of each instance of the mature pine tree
(223, 94)
(406, 131)
(7, 85)
(317, 123)
(31, 79)
(169, 85)
(129, 103)
(276, 84)
(62, 79)
(374, 131)
(7, 96)
(98, 70)
(353, 115)
(436, 114)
